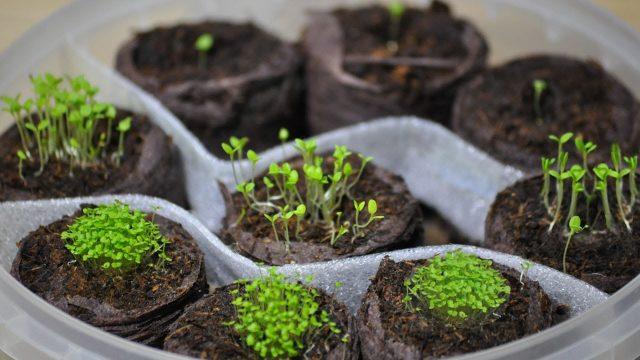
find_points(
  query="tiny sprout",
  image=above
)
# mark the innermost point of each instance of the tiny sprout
(203, 44)
(21, 158)
(283, 134)
(539, 86)
(338, 284)
(396, 10)
(524, 266)
(574, 228)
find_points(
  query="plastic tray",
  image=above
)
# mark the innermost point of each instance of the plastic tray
(83, 38)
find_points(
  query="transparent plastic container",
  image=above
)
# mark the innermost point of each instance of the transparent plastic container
(441, 170)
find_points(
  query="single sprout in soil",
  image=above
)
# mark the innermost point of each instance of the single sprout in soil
(63, 122)
(396, 10)
(313, 196)
(276, 318)
(574, 228)
(203, 44)
(456, 287)
(115, 238)
(524, 269)
(539, 86)
(591, 185)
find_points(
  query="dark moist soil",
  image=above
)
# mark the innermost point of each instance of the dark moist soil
(437, 230)
(518, 224)
(496, 112)
(139, 305)
(251, 84)
(151, 165)
(254, 237)
(355, 76)
(202, 331)
(389, 331)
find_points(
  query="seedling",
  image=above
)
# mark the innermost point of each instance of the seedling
(115, 238)
(599, 176)
(539, 86)
(313, 195)
(203, 44)
(524, 269)
(277, 318)
(61, 122)
(396, 10)
(456, 287)
(574, 228)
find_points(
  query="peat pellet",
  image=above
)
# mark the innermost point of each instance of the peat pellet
(151, 165)
(499, 112)
(139, 305)
(250, 84)
(354, 75)
(402, 223)
(388, 330)
(518, 223)
(203, 331)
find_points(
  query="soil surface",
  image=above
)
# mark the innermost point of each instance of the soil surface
(518, 224)
(362, 66)
(253, 236)
(138, 305)
(388, 330)
(496, 110)
(151, 165)
(437, 230)
(250, 83)
(202, 331)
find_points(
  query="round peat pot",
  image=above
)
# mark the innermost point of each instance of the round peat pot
(139, 305)
(389, 329)
(151, 165)
(248, 84)
(203, 331)
(252, 235)
(502, 113)
(518, 224)
(363, 65)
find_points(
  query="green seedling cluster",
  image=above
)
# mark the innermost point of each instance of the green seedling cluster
(276, 317)
(203, 44)
(285, 206)
(456, 287)
(396, 10)
(589, 184)
(61, 122)
(114, 238)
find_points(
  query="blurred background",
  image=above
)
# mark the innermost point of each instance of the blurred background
(16, 16)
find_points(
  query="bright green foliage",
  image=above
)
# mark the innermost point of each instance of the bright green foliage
(276, 317)
(324, 195)
(455, 287)
(69, 116)
(590, 184)
(115, 238)
(203, 44)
